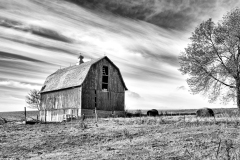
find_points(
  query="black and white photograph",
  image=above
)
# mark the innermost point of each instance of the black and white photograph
(120, 79)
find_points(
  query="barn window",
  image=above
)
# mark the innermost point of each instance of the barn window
(105, 78)
(105, 70)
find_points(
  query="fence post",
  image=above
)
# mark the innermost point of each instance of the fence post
(72, 115)
(25, 114)
(96, 114)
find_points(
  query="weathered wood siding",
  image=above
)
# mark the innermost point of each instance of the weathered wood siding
(68, 98)
(113, 99)
(57, 115)
(54, 105)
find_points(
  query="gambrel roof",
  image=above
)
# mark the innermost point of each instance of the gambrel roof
(72, 76)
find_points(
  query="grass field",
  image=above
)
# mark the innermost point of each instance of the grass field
(171, 137)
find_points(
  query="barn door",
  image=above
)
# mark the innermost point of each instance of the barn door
(103, 101)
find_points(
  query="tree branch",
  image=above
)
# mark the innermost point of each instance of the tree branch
(215, 49)
(210, 74)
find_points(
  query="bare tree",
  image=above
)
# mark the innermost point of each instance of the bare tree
(212, 60)
(33, 99)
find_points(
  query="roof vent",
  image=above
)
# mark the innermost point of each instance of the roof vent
(80, 59)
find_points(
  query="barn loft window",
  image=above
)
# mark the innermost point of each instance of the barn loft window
(105, 70)
(105, 78)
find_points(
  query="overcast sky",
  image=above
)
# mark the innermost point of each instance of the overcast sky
(37, 37)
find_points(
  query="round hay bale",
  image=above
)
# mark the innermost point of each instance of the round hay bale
(205, 112)
(152, 112)
(128, 115)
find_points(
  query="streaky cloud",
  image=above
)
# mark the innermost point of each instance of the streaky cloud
(158, 55)
(8, 55)
(168, 14)
(23, 82)
(132, 94)
(37, 30)
(40, 45)
(15, 84)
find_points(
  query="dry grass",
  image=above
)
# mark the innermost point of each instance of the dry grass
(176, 137)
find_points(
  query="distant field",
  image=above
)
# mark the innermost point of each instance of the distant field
(18, 115)
(216, 111)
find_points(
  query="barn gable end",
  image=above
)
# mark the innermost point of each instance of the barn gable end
(95, 93)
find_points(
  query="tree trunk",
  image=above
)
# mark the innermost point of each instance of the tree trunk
(238, 94)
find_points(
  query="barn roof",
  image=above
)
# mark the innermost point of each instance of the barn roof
(72, 76)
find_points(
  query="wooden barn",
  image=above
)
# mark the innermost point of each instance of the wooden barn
(96, 85)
